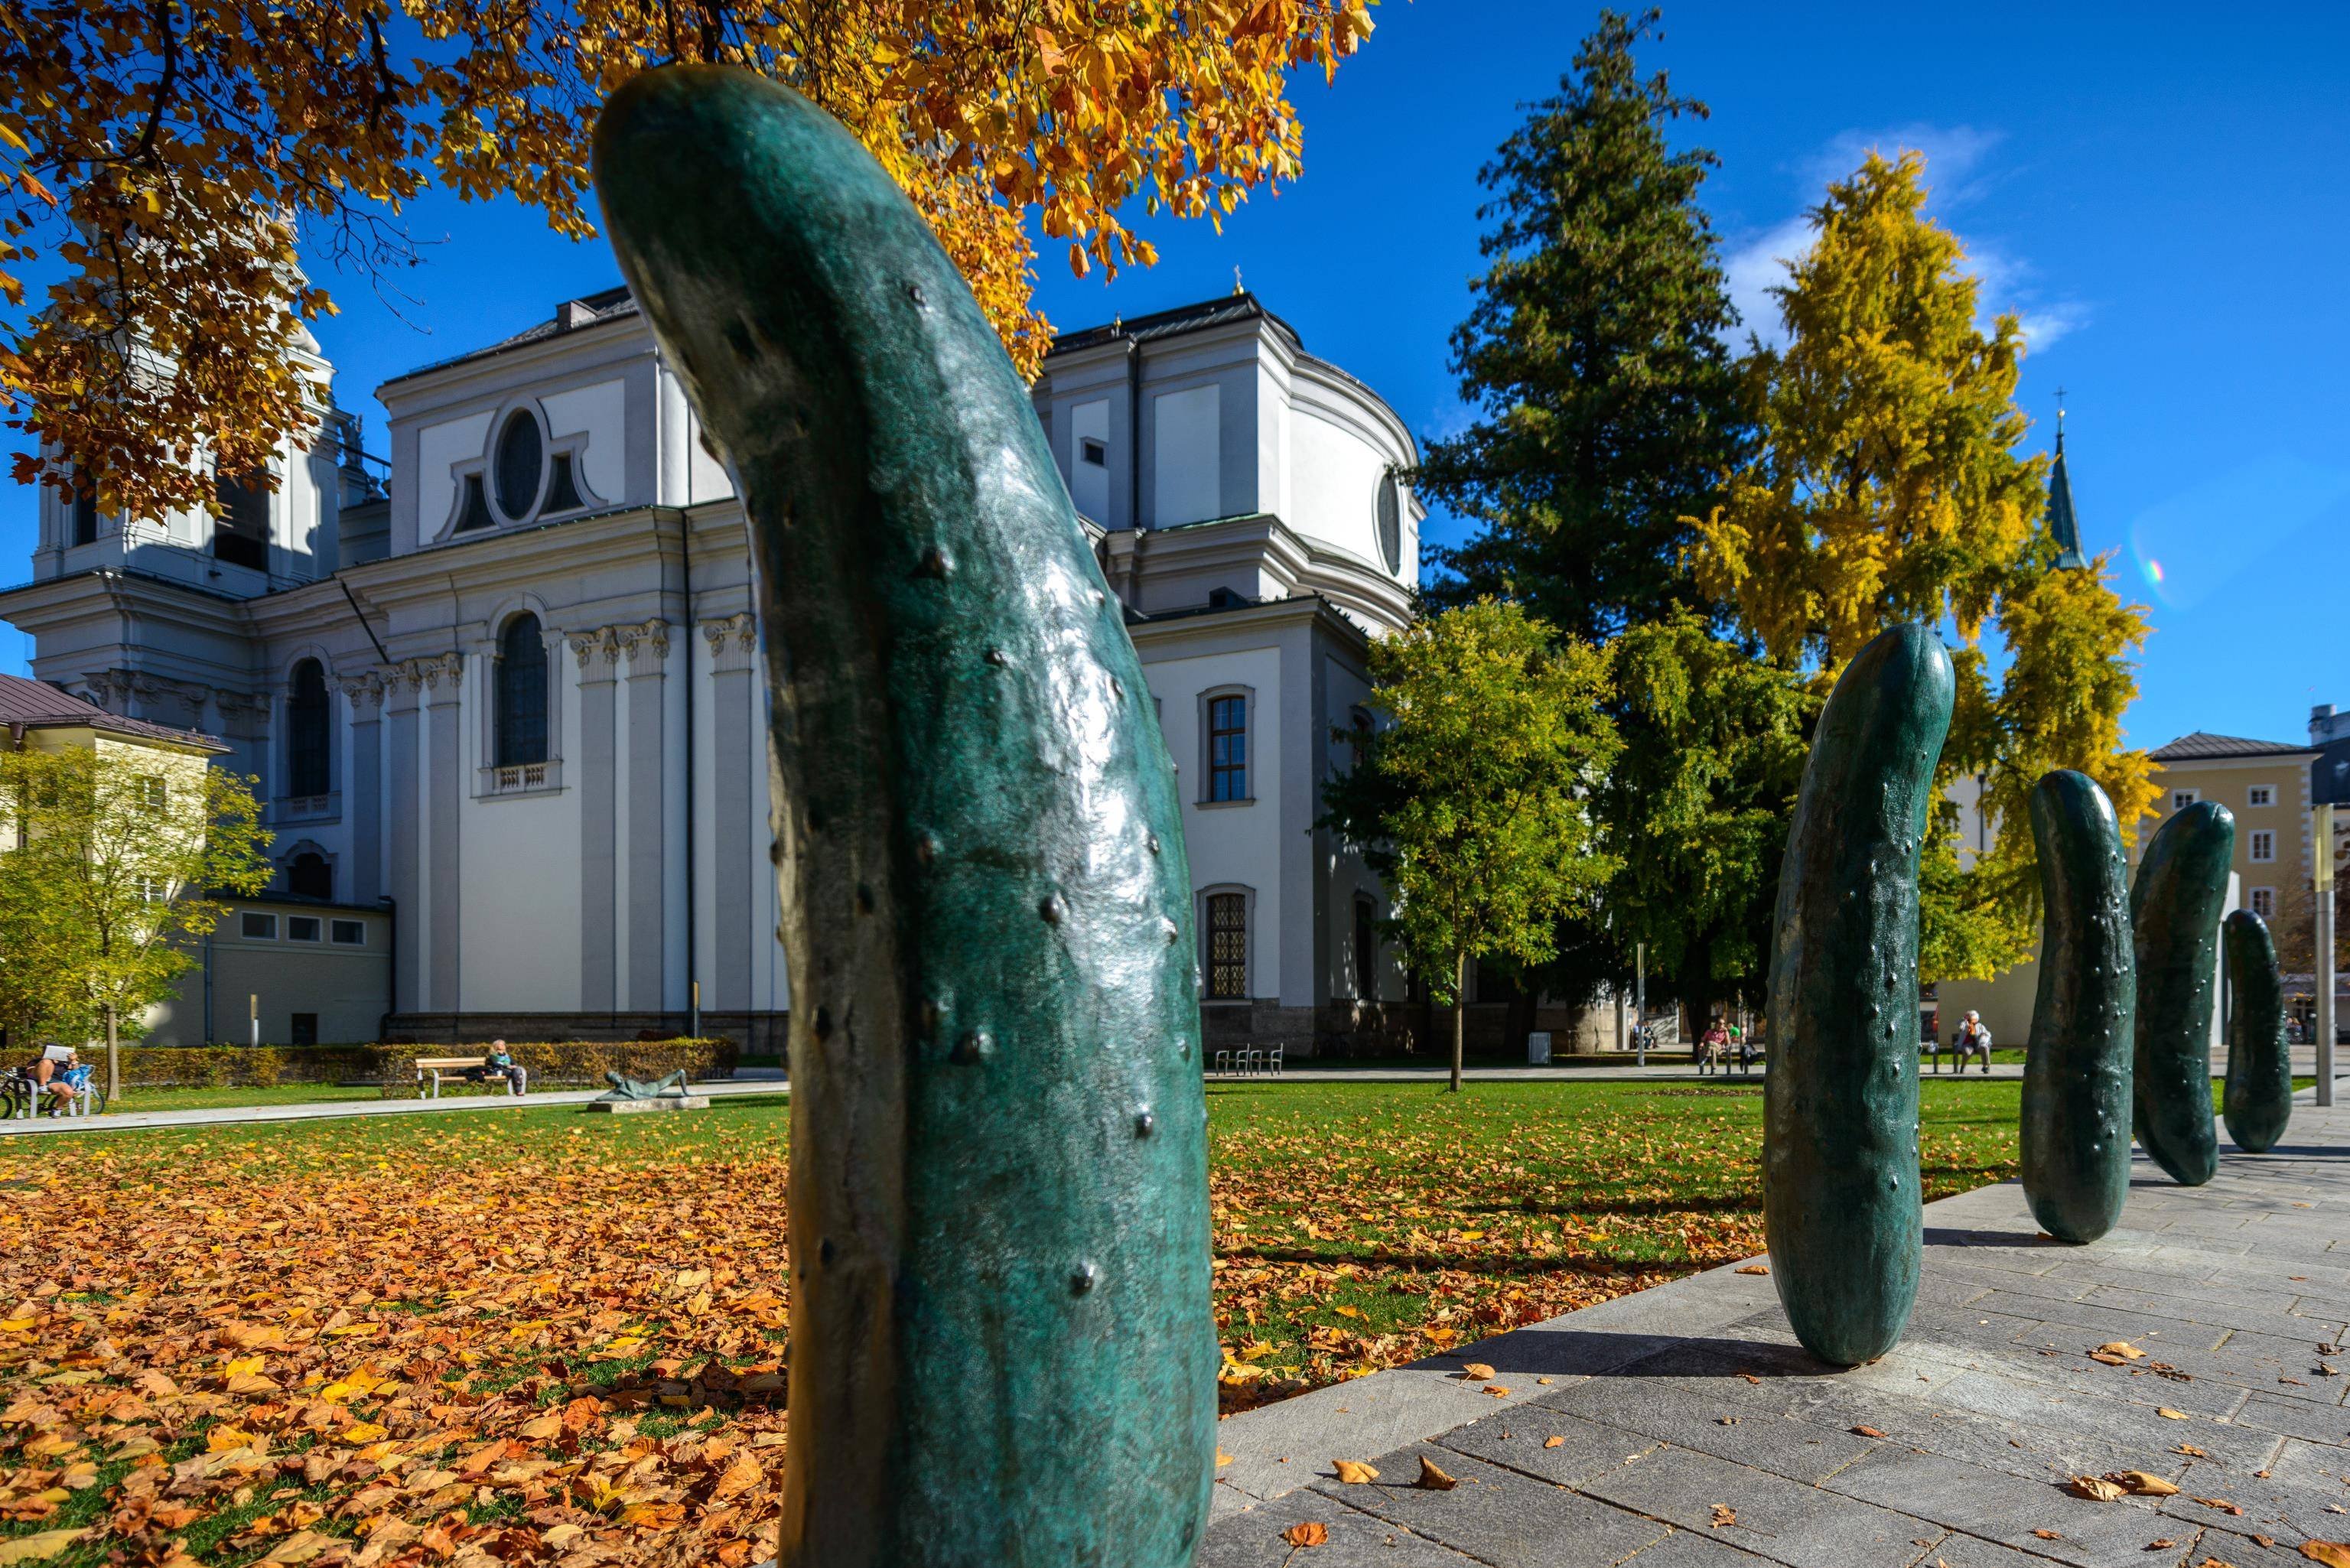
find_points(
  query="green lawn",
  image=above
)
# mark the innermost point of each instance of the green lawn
(223, 1096)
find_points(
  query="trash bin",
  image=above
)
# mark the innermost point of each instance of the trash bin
(1538, 1049)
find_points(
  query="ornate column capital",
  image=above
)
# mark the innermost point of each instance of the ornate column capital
(363, 692)
(648, 645)
(599, 653)
(734, 642)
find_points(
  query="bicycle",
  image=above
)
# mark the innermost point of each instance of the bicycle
(22, 1098)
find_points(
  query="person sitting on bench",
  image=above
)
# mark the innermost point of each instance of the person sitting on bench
(500, 1064)
(1973, 1039)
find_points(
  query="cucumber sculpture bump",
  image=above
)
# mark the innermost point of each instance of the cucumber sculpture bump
(1840, 1197)
(2260, 1071)
(2076, 1074)
(1003, 1352)
(2175, 905)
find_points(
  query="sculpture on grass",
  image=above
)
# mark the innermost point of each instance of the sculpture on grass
(2259, 1098)
(624, 1088)
(1003, 1347)
(2175, 905)
(1840, 1184)
(2077, 1072)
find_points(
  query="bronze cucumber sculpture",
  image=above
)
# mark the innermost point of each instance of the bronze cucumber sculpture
(2258, 1100)
(2175, 906)
(1841, 1202)
(1002, 1353)
(2076, 1071)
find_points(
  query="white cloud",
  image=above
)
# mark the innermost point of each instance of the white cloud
(1754, 268)
(1953, 154)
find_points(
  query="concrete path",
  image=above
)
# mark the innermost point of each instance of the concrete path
(1610, 1069)
(1682, 1428)
(337, 1110)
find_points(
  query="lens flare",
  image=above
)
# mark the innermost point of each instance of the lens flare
(2154, 572)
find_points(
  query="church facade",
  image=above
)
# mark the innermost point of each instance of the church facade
(504, 690)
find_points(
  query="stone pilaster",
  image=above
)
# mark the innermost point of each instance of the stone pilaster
(733, 645)
(405, 815)
(363, 785)
(647, 646)
(599, 653)
(444, 677)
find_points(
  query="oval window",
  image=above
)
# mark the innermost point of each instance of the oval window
(1390, 524)
(519, 454)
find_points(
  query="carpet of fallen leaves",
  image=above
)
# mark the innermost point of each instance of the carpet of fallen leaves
(532, 1337)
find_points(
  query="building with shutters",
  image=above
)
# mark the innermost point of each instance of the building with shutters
(502, 686)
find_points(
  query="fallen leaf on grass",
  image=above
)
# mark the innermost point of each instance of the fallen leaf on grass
(1723, 1514)
(1307, 1532)
(33, 1548)
(1434, 1479)
(1754, 1269)
(1354, 1472)
(2096, 1488)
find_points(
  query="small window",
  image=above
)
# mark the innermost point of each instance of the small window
(260, 927)
(302, 928)
(2180, 799)
(2260, 795)
(308, 741)
(2264, 846)
(476, 512)
(1091, 450)
(85, 517)
(2264, 903)
(306, 1029)
(521, 455)
(1228, 748)
(1227, 947)
(1390, 524)
(154, 889)
(310, 876)
(241, 531)
(154, 795)
(348, 933)
(562, 490)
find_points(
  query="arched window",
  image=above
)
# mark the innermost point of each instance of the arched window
(1390, 524)
(520, 454)
(85, 517)
(522, 693)
(310, 877)
(307, 732)
(241, 531)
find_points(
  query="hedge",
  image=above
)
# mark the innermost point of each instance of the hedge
(569, 1063)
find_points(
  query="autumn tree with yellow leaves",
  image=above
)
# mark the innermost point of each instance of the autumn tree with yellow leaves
(177, 164)
(1887, 487)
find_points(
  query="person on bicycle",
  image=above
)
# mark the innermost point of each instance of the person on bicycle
(52, 1073)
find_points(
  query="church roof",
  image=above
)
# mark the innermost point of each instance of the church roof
(1175, 322)
(37, 705)
(2062, 526)
(2202, 746)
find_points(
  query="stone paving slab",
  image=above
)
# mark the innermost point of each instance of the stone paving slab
(1682, 1428)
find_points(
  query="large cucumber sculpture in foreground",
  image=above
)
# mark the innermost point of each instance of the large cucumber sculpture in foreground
(2175, 904)
(1002, 1354)
(2077, 1075)
(1840, 1105)
(2260, 1071)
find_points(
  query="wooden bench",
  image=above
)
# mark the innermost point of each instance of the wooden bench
(433, 1066)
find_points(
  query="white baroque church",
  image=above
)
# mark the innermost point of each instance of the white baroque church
(505, 690)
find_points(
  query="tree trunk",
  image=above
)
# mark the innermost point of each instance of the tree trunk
(1696, 986)
(1460, 1012)
(113, 1059)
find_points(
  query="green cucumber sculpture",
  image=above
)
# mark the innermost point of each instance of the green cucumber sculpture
(2076, 1074)
(2175, 905)
(1003, 1352)
(1841, 1204)
(2260, 1071)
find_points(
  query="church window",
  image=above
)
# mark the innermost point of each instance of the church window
(1228, 947)
(1390, 516)
(85, 517)
(307, 732)
(311, 875)
(476, 512)
(562, 489)
(522, 693)
(241, 530)
(519, 460)
(1228, 748)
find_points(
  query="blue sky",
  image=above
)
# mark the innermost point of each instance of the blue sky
(2157, 190)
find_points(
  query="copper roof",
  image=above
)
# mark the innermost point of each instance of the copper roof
(37, 705)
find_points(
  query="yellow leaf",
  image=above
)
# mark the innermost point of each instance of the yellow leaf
(1432, 1478)
(33, 1548)
(1354, 1472)
(220, 1440)
(2096, 1488)
(359, 1433)
(2333, 1553)
(2143, 1484)
(1478, 1372)
(741, 1477)
(1307, 1532)
(16, 1325)
(1553, 1442)
(2167, 1414)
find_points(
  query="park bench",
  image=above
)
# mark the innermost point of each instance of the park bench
(431, 1067)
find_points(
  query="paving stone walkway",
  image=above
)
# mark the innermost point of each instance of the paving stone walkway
(1682, 1428)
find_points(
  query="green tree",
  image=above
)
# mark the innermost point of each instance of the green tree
(1889, 487)
(1696, 810)
(119, 850)
(1594, 354)
(1472, 800)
